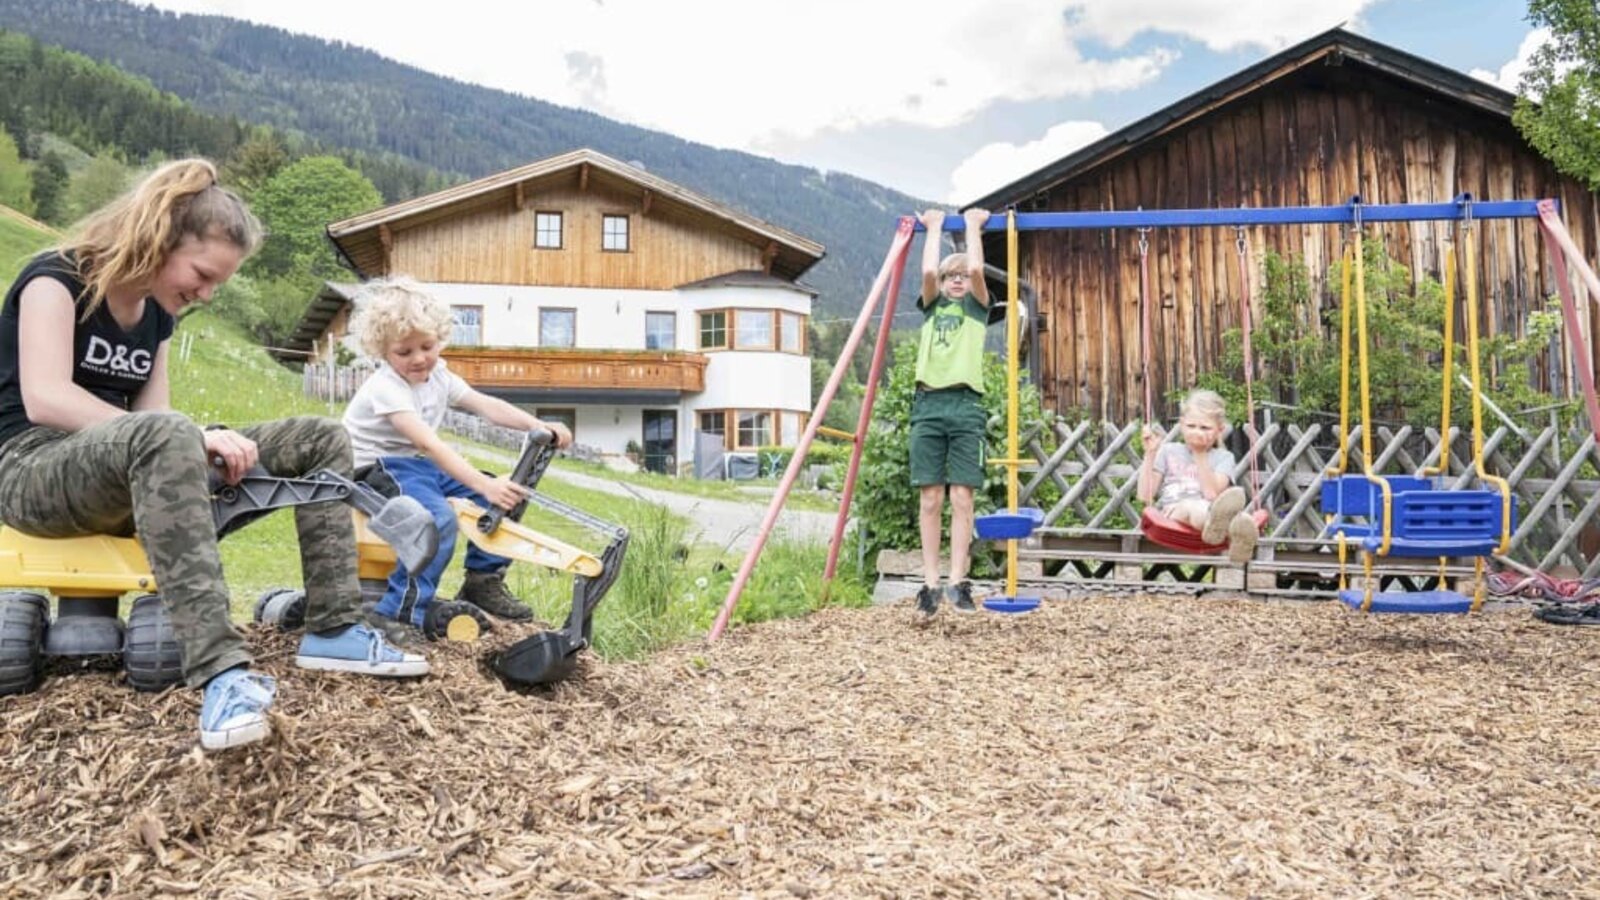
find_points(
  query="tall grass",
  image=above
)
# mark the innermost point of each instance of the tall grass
(18, 241)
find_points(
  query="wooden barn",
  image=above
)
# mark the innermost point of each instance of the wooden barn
(1337, 116)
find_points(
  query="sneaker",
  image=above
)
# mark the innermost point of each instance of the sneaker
(928, 600)
(233, 711)
(357, 648)
(488, 592)
(455, 620)
(961, 597)
(1242, 536)
(1227, 505)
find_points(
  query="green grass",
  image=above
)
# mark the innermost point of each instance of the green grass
(219, 376)
(18, 241)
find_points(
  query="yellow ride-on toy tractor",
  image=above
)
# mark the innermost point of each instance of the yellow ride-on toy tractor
(543, 658)
(89, 575)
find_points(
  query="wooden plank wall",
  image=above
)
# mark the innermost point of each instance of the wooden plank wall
(494, 245)
(1315, 141)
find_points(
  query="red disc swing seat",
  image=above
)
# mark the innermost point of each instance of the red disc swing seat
(1169, 532)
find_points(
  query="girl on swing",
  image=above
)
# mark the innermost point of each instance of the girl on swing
(1189, 482)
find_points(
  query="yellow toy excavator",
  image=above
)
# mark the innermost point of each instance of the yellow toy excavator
(543, 658)
(89, 575)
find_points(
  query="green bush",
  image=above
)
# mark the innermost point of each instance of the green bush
(1298, 353)
(886, 503)
(774, 461)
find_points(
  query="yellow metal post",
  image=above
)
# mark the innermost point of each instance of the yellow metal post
(1012, 404)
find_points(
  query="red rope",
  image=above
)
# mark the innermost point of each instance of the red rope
(1144, 326)
(1249, 369)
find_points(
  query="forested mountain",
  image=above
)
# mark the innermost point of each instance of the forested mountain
(96, 106)
(343, 96)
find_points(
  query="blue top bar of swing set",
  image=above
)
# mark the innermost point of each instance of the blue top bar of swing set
(1263, 215)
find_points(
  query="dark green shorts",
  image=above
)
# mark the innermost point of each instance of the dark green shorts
(947, 437)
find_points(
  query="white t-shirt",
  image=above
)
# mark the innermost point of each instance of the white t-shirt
(1180, 475)
(387, 392)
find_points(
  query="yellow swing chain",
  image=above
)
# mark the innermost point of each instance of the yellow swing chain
(1504, 487)
(1013, 376)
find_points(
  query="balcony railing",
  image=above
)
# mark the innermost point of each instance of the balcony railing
(656, 370)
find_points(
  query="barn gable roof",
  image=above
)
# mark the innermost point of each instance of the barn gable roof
(1333, 47)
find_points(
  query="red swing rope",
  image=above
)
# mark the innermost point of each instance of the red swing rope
(1250, 432)
(1144, 325)
(1148, 342)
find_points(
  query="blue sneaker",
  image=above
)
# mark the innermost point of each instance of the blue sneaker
(357, 648)
(234, 709)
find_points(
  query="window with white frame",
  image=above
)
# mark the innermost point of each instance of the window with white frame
(614, 233)
(466, 326)
(793, 422)
(558, 328)
(661, 331)
(791, 332)
(755, 429)
(752, 329)
(547, 230)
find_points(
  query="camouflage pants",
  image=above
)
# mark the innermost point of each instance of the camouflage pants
(147, 473)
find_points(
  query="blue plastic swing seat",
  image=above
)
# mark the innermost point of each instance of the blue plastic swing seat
(1009, 526)
(1428, 523)
(1414, 602)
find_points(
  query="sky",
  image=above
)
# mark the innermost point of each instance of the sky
(945, 101)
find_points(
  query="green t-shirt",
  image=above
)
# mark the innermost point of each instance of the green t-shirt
(950, 351)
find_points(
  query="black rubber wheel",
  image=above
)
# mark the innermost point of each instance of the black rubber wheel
(281, 608)
(23, 619)
(150, 654)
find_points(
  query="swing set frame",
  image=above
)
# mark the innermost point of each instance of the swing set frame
(886, 288)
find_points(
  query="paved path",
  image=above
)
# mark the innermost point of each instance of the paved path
(726, 523)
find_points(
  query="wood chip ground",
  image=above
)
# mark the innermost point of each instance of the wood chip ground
(1109, 747)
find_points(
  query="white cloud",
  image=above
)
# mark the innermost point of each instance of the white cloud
(1218, 24)
(1510, 74)
(737, 74)
(996, 165)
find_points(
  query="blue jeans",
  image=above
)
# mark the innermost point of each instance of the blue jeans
(407, 598)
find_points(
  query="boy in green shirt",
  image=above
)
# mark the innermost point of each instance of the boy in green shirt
(947, 418)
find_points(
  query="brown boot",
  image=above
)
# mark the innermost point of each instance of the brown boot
(487, 591)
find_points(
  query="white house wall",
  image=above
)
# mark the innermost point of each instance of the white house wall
(615, 319)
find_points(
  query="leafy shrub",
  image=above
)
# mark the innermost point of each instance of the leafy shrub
(885, 501)
(1299, 352)
(775, 460)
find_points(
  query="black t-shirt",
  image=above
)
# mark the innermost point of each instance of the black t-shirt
(112, 363)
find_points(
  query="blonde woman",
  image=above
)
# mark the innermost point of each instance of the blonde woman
(89, 443)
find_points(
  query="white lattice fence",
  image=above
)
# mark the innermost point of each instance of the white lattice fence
(1090, 522)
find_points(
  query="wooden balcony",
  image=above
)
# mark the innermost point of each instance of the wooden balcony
(512, 370)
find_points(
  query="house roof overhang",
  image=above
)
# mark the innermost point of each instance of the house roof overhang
(360, 239)
(322, 310)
